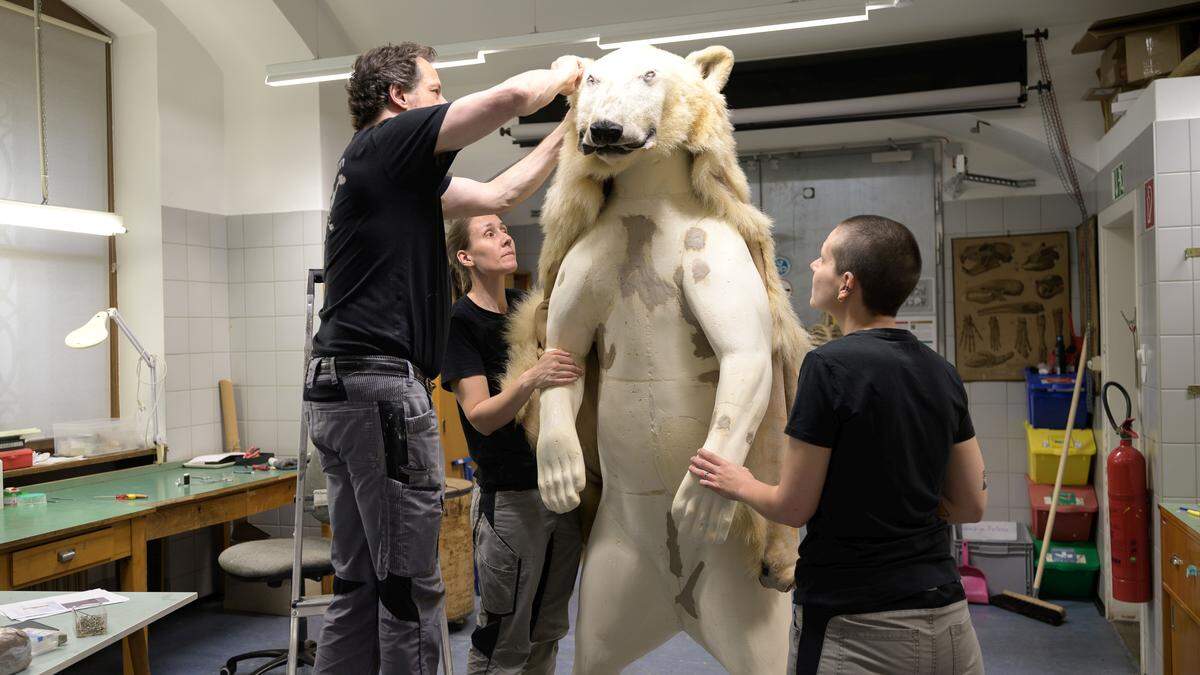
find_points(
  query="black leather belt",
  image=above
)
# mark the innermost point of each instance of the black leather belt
(372, 365)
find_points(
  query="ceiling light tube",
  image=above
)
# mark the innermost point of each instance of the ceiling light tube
(307, 72)
(712, 25)
(64, 219)
(732, 32)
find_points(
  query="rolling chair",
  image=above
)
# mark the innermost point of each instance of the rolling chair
(270, 561)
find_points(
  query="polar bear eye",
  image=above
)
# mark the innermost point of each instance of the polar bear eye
(591, 79)
(649, 75)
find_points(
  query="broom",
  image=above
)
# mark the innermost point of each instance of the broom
(1031, 606)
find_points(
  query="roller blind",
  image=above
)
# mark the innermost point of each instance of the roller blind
(51, 282)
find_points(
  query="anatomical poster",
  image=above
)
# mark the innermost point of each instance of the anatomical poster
(1012, 297)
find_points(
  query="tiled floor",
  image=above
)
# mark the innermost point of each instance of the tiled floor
(199, 638)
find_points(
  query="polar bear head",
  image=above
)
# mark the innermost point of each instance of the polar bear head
(640, 99)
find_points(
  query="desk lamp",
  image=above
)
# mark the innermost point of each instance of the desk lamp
(95, 331)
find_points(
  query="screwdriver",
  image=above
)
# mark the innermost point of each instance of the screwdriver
(124, 497)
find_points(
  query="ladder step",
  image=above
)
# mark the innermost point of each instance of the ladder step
(311, 605)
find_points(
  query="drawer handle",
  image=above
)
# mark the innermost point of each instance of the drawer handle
(1176, 560)
(66, 556)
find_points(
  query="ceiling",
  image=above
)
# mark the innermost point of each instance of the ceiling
(373, 22)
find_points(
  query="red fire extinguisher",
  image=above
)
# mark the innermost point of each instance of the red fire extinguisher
(1128, 508)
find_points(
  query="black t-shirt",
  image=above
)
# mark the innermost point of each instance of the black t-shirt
(889, 408)
(387, 287)
(475, 345)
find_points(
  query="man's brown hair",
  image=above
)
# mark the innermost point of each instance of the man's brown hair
(376, 70)
(883, 256)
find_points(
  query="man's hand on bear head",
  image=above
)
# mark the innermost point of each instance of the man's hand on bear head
(572, 69)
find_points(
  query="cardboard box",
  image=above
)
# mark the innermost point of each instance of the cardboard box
(1112, 65)
(1151, 53)
(256, 597)
(1102, 33)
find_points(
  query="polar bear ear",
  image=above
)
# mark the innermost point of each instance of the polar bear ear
(587, 64)
(714, 64)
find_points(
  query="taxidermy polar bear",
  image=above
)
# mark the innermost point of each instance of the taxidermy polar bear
(658, 276)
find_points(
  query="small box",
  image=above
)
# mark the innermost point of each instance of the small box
(16, 459)
(1151, 53)
(1112, 65)
(88, 438)
(1074, 517)
(1071, 569)
(1045, 447)
(1007, 564)
(1048, 400)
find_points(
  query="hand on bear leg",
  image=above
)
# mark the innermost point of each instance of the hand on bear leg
(704, 513)
(560, 468)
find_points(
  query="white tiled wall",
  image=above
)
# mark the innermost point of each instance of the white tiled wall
(998, 409)
(1170, 294)
(1168, 323)
(269, 255)
(196, 310)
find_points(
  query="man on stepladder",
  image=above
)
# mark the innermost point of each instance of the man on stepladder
(367, 388)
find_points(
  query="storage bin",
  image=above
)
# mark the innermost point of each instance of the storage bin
(1007, 564)
(1074, 517)
(1045, 447)
(1071, 569)
(16, 459)
(87, 438)
(1049, 400)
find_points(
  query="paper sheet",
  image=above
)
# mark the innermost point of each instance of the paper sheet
(58, 604)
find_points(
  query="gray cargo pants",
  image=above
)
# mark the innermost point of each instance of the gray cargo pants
(937, 641)
(373, 423)
(526, 559)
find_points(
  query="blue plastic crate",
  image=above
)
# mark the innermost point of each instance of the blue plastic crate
(1049, 400)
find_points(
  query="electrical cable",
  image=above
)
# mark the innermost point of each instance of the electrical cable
(1056, 134)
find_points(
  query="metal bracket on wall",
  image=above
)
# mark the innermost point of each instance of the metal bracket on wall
(1193, 391)
(1192, 252)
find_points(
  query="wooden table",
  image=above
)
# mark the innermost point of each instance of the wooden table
(124, 619)
(75, 530)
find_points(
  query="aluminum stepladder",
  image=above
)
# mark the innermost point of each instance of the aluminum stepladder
(303, 607)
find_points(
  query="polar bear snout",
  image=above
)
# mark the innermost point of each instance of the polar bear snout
(605, 132)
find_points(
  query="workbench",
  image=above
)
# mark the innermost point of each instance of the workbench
(75, 530)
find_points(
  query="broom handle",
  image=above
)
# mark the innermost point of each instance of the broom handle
(1062, 463)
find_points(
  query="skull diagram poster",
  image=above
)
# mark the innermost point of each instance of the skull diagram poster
(1012, 297)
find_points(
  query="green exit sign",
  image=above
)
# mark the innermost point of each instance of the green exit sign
(1118, 181)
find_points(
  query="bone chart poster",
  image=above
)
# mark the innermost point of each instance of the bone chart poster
(1011, 298)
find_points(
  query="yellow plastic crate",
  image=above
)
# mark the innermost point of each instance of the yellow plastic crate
(1045, 447)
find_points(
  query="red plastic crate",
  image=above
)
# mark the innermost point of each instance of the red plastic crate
(1074, 517)
(16, 459)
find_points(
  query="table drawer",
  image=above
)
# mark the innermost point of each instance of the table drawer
(1181, 550)
(54, 559)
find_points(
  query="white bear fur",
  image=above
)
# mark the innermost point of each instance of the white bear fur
(661, 277)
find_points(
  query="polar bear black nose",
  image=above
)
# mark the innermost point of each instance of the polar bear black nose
(605, 132)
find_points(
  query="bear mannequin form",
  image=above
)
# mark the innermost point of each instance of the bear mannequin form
(658, 276)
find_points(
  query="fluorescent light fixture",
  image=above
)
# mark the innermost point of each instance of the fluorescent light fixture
(789, 16)
(43, 217)
(480, 57)
(307, 72)
(731, 32)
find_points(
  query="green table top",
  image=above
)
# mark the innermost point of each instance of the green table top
(123, 619)
(72, 503)
(1189, 520)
